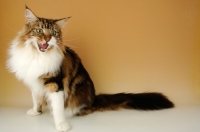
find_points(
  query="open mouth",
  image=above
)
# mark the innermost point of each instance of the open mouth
(43, 47)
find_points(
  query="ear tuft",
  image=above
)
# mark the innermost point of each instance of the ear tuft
(62, 22)
(30, 17)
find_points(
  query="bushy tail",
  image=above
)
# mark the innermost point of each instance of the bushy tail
(141, 101)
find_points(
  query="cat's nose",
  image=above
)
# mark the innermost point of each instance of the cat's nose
(47, 38)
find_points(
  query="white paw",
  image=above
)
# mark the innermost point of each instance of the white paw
(31, 112)
(62, 127)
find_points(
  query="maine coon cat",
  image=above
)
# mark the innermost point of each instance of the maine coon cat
(55, 75)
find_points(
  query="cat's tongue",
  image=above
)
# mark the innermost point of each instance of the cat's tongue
(43, 47)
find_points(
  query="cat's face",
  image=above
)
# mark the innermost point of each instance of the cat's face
(44, 34)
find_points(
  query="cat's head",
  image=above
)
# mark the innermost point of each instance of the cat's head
(44, 34)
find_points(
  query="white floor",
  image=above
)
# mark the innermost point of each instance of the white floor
(179, 119)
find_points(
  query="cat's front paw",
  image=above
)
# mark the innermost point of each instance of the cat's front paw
(62, 127)
(31, 112)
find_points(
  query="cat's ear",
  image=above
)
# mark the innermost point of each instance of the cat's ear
(30, 16)
(62, 22)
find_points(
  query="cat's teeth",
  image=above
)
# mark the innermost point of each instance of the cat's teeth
(43, 47)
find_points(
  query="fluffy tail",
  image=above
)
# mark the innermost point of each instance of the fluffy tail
(141, 101)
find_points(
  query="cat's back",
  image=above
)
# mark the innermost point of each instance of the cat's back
(71, 61)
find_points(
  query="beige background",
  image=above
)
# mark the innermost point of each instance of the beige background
(126, 45)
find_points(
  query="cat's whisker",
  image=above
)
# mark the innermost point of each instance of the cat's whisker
(69, 45)
(64, 34)
(73, 39)
(8, 27)
(6, 39)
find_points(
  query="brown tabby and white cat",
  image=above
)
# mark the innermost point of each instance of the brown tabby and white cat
(55, 75)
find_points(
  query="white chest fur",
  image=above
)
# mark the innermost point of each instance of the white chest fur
(29, 64)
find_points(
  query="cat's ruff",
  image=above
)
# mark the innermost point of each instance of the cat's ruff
(27, 63)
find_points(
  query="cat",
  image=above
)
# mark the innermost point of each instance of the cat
(55, 75)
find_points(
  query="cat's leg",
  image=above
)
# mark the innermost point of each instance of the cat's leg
(37, 104)
(58, 110)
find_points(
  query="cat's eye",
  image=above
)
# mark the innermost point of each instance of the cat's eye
(39, 30)
(54, 33)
